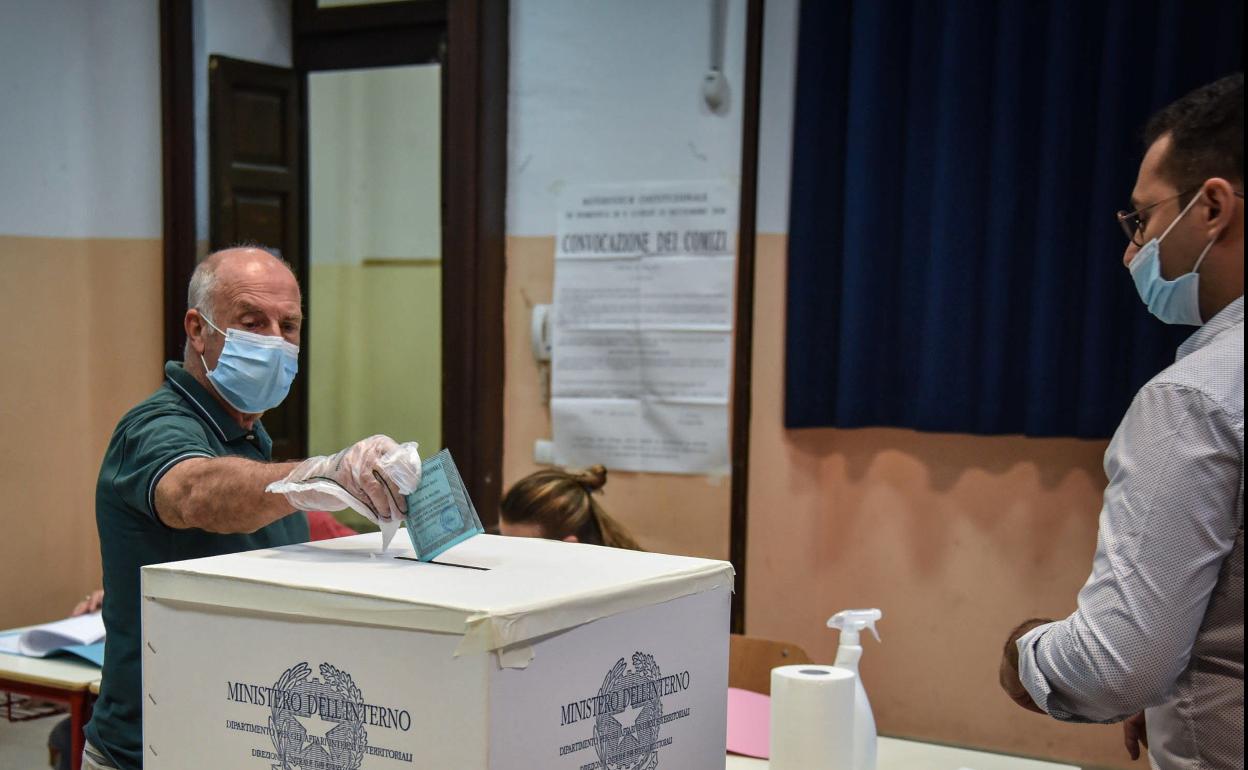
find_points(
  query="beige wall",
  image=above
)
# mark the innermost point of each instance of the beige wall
(81, 319)
(955, 537)
(674, 514)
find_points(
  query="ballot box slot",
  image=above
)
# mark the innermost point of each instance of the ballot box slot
(444, 563)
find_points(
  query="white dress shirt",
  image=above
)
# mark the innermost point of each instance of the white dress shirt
(1160, 622)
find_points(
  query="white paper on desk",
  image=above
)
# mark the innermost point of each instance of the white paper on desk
(40, 641)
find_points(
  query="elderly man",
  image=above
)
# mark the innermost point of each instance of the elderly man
(185, 473)
(1160, 623)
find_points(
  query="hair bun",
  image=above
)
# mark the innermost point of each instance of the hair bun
(592, 478)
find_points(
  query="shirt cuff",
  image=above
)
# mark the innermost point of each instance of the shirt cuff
(1034, 680)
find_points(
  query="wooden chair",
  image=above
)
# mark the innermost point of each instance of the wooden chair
(750, 661)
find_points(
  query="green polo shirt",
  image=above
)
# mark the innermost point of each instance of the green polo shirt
(179, 421)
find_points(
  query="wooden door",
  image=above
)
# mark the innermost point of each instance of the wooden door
(255, 176)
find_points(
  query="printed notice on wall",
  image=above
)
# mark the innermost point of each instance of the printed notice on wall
(642, 337)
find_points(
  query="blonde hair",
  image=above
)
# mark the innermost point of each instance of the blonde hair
(561, 503)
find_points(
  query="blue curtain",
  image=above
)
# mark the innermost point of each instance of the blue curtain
(954, 263)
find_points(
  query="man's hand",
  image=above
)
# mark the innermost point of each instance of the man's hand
(373, 476)
(1008, 672)
(92, 602)
(1135, 734)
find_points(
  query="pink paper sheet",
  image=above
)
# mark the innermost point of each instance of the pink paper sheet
(749, 723)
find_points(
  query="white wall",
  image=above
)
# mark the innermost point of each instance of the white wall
(80, 119)
(256, 30)
(610, 91)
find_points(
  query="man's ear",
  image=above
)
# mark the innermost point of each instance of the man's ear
(1220, 208)
(193, 324)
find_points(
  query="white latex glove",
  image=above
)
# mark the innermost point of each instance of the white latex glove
(372, 477)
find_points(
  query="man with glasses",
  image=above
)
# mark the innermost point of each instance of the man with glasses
(1158, 636)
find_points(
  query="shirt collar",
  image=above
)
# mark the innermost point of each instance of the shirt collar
(1227, 317)
(185, 385)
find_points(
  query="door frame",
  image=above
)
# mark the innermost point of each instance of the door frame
(470, 39)
(177, 135)
(743, 341)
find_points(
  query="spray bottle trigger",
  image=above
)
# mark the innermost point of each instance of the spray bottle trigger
(853, 621)
(871, 628)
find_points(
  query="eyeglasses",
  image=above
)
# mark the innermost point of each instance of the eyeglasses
(1133, 222)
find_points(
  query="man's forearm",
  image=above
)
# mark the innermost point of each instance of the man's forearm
(221, 494)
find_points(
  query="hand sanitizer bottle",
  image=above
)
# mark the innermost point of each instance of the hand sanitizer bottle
(850, 623)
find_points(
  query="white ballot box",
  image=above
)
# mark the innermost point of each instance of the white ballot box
(504, 654)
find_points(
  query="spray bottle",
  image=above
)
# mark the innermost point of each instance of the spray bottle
(850, 623)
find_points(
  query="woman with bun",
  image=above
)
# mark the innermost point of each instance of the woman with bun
(559, 505)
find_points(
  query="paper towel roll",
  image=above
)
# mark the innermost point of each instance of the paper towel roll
(812, 718)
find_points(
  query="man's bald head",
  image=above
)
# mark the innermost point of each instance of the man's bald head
(229, 265)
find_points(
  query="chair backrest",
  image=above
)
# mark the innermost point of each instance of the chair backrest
(750, 661)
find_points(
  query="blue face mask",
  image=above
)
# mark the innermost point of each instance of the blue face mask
(1177, 301)
(254, 371)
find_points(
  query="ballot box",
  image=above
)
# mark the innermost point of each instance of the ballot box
(503, 654)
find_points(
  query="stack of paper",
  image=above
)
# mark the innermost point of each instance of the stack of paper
(82, 636)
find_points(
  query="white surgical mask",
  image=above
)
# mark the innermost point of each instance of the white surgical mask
(254, 371)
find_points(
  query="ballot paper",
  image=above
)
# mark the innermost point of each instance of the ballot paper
(440, 514)
(642, 326)
(82, 636)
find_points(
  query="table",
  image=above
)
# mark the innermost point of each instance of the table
(63, 680)
(897, 754)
